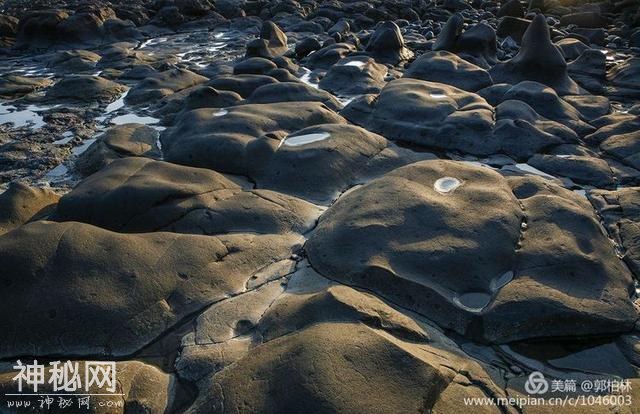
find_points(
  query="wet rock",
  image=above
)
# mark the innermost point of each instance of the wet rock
(625, 78)
(319, 162)
(435, 194)
(535, 131)
(129, 140)
(581, 169)
(427, 113)
(198, 97)
(8, 26)
(254, 66)
(89, 26)
(386, 44)
(21, 203)
(138, 385)
(620, 212)
(296, 383)
(243, 85)
(194, 7)
(589, 106)
(512, 27)
(307, 45)
(122, 56)
(85, 88)
(571, 48)
(442, 116)
(449, 34)
(511, 8)
(589, 70)
(594, 36)
(545, 101)
(328, 55)
(89, 275)
(141, 195)
(74, 61)
(39, 29)
(292, 92)
(538, 60)
(445, 67)
(624, 147)
(14, 86)
(355, 75)
(613, 125)
(477, 44)
(227, 141)
(272, 42)
(587, 19)
(163, 84)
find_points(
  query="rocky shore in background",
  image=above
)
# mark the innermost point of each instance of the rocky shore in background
(378, 206)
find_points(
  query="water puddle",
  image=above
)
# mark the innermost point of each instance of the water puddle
(117, 104)
(134, 119)
(66, 138)
(438, 96)
(346, 100)
(83, 147)
(60, 171)
(221, 112)
(501, 281)
(30, 117)
(532, 170)
(357, 63)
(306, 79)
(446, 185)
(473, 301)
(306, 139)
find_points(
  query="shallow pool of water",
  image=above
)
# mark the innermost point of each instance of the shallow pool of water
(9, 114)
(446, 185)
(306, 139)
(134, 119)
(473, 301)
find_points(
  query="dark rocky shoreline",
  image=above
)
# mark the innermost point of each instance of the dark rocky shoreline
(322, 206)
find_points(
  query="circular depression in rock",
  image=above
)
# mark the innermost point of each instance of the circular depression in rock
(446, 184)
(306, 139)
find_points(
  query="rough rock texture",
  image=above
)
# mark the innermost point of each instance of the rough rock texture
(141, 195)
(319, 162)
(21, 203)
(163, 84)
(538, 60)
(110, 293)
(516, 261)
(86, 88)
(129, 140)
(442, 116)
(445, 67)
(354, 76)
(143, 387)
(231, 140)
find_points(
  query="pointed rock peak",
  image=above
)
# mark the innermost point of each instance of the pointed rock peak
(449, 34)
(387, 44)
(537, 46)
(273, 34)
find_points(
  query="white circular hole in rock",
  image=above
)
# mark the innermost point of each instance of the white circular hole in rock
(221, 112)
(356, 63)
(446, 185)
(502, 280)
(306, 139)
(472, 301)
